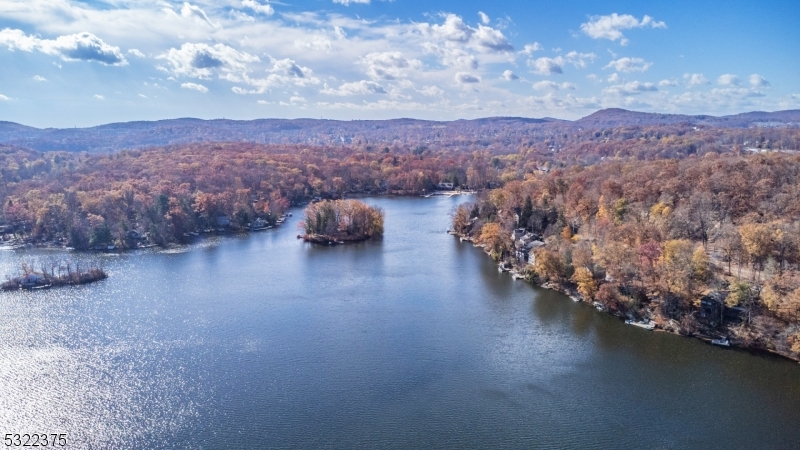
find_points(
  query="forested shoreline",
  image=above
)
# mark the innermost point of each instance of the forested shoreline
(165, 195)
(705, 247)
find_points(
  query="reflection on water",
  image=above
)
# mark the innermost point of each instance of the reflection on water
(414, 340)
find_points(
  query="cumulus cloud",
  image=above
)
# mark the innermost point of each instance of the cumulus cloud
(547, 66)
(389, 65)
(39, 78)
(632, 88)
(484, 18)
(467, 78)
(614, 78)
(728, 80)
(579, 60)
(510, 76)
(548, 85)
(757, 80)
(627, 64)
(284, 72)
(348, 2)
(668, 82)
(201, 60)
(610, 27)
(195, 87)
(362, 87)
(260, 8)
(136, 53)
(529, 49)
(455, 30)
(72, 47)
(695, 79)
(98, 97)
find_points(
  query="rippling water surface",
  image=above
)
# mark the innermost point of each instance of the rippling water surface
(413, 341)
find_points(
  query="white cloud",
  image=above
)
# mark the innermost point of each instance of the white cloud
(547, 66)
(265, 9)
(319, 43)
(72, 47)
(484, 18)
(627, 64)
(548, 85)
(4, 98)
(728, 80)
(389, 65)
(284, 72)
(455, 31)
(695, 79)
(668, 82)
(580, 60)
(201, 60)
(348, 2)
(99, 97)
(195, 86)
(614, 78)
(631, 88)
(431, 91)
(757, 80)
(193, 11)
(39, 78)
(141, 95)
(136, 53)
(609, 27)
(491, 40)
(466, 78)
(362, 87)
(510, 76)
(529, 49)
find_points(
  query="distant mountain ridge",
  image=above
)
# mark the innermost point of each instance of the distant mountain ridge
(138, 134)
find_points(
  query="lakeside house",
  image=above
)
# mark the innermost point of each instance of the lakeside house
(258, 224)
(30, 280)
(714, 312)
(445, 186)
(525, 243)
(223, 221)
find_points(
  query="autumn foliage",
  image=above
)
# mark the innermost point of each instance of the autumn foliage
(342, 221)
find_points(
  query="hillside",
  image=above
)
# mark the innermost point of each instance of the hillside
(497, 132)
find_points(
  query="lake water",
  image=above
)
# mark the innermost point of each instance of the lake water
(413, 341)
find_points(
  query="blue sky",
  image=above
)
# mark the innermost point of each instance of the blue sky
(80, 63)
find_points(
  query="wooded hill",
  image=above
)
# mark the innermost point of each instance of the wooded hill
(497, 134)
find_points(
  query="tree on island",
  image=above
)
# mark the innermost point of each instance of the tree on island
(341, 221)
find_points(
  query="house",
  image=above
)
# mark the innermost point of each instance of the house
(30, 280)
(518, 233)
(712, 308)
(530, 250)
(736, 314)
(445, 186)
(223, 221)
(258, 223)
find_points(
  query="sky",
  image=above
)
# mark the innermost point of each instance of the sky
(66, 63)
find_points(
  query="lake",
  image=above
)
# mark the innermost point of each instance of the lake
(411, 341)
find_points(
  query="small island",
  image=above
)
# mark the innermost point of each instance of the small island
(30, 279)
(340, 221)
